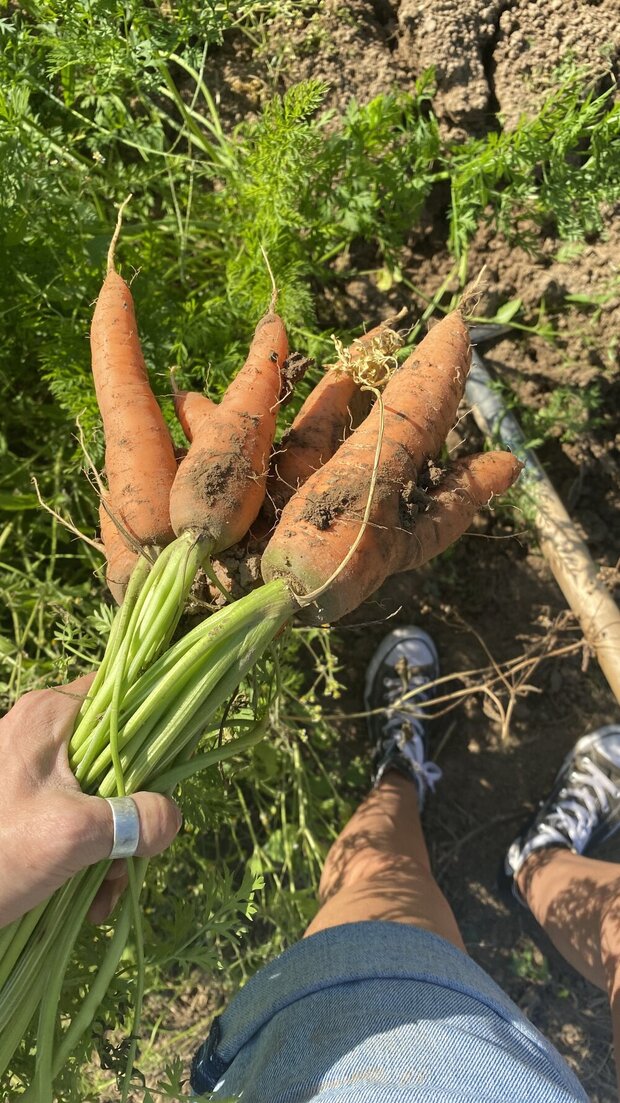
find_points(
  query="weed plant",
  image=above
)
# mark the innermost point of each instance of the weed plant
(99, 99)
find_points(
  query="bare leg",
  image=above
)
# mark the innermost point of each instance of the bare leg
(577, 902)
(379, 868)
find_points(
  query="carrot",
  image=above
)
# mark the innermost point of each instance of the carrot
(469, 484)
(139, 456)
(120, 558)
(326, 418)
(319, 525)
(220, 485)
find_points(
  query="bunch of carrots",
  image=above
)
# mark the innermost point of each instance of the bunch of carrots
(343, 507)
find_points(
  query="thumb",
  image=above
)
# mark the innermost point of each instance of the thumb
(160, 820)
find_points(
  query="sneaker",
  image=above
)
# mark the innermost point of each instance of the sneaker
(583, 810)
(405, 660)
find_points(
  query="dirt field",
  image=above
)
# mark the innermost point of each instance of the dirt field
(489, 57)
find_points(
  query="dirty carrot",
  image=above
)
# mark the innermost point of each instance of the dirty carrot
(321, 522)
(330, 413)
(467, 486)
(220, 485)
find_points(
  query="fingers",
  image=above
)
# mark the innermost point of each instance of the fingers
(50, 829)
(58, 832)
(109, 894)
(43, 720)
(160, 821)
(91, 834)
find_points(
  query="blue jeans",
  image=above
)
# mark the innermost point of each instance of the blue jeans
(378, 1012)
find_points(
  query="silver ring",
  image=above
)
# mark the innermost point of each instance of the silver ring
(126, 827)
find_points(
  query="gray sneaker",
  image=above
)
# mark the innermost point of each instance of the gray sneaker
(583, 809)
(404, 661)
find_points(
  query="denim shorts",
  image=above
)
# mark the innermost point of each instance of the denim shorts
(378, 1012)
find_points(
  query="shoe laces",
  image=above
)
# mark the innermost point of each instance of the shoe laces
(577, 813)
(402, 685)
(408, 740)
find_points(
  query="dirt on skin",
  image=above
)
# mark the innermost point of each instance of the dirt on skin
(492, 595)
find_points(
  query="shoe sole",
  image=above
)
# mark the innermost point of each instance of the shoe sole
(386, 645)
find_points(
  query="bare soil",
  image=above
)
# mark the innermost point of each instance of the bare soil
(493, 594)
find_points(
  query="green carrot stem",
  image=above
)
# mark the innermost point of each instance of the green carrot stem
(167, 781)
(26, 974)
(141, 689)
(94, 702)
(143, 639)
(135, 888)
(150, 583)
(139, 727)
(138, 576)
(160, 619)
(103, 978)
(214, 580)
(167, 689)
(142, 756)
(130, 624)
(55, 975)
(119, 685)
(21, 931)
(190, 718)
(23, 990)
(188, 682)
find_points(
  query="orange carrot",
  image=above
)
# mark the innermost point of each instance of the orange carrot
(139, 456)
(220, 485)
(121, 559)
(469, 484)
(326, 418)
(319, 525)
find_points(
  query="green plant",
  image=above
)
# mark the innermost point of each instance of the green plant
(98, 99)
(564, 414)
(529, 963)
(559, 167)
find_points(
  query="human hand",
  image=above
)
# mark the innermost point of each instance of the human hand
(49, 828)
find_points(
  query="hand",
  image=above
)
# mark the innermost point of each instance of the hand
(49, 829)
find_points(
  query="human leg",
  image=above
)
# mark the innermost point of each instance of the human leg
(368, 1010)
(379, 868)
(577, 901)
(575, 898)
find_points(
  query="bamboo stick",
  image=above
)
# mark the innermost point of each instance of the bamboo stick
(566, 553)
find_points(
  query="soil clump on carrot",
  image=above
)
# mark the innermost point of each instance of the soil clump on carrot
(292, 372)
(211, 483)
